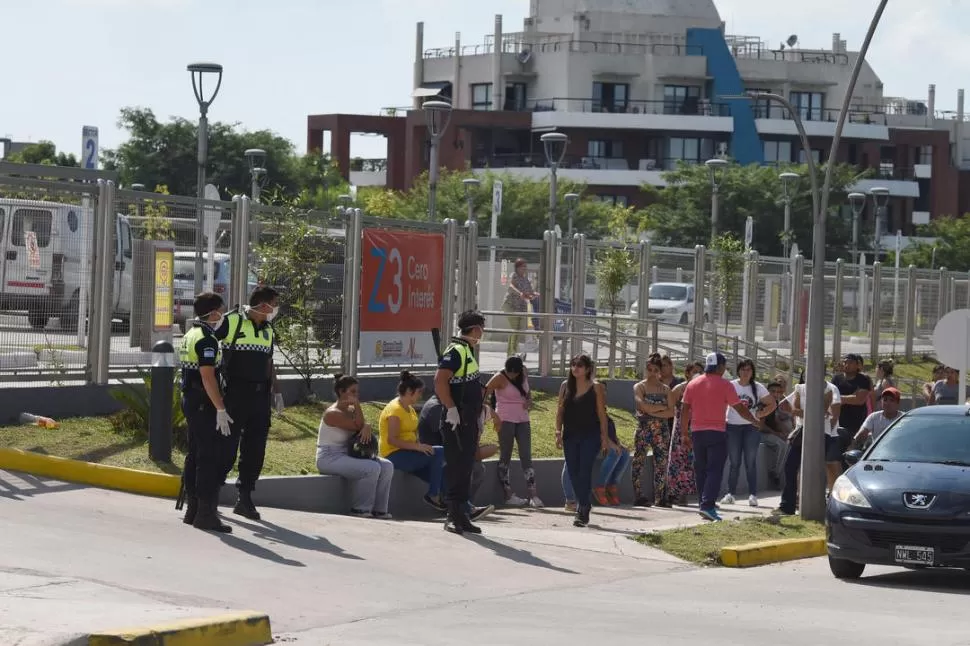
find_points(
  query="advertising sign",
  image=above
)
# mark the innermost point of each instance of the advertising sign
(163, 316)
(401, 290)
(33, 250)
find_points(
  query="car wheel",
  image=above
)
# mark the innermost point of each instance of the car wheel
(37, 319)
(843, 569)
(683, 318)
(68, 318)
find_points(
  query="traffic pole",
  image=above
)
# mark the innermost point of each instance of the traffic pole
(161, 397)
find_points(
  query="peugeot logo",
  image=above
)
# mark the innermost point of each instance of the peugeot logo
(918, 500)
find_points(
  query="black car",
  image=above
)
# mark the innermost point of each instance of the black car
(906, 500)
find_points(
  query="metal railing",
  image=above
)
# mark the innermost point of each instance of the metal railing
(682, 107)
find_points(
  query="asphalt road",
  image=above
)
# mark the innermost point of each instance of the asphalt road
(74, 559)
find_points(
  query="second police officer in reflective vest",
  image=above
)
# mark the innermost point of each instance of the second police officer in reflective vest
(212, 448)
(251, 387)
(458, 387)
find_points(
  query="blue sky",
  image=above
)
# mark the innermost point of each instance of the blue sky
(74, 62)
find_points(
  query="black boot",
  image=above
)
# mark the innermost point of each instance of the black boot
(191, 509)
(454, 522)
(582, 517)
(207, 517)
(466, 523)
(245, 507)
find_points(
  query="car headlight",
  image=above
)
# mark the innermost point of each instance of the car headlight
(848, 494)
(671, 310)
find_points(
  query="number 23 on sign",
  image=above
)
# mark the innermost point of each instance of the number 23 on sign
(402, 274)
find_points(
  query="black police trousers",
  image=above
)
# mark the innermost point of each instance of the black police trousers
(249, 406)
(209, 450)
(461, 445)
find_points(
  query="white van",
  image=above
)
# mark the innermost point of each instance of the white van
(44, 247)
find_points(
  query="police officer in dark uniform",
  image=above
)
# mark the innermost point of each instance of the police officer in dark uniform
(457, 386)
(211, 444)
(251, 388)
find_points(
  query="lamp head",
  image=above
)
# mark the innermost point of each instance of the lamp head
(437, 114)
(571, 198)
(880, 195)
(256, 158)
(198, 71)
(554, 144)
(858, 202)
(788, 181)
(716, 167)
(470, 184)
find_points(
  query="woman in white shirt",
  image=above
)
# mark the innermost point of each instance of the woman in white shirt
(743, 438)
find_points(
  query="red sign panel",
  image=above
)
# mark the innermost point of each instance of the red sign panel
(402, 281)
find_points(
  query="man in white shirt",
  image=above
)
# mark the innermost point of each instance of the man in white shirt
(794, 402)
(878, 422)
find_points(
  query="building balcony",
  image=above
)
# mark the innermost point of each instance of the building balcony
(595, 171)
(693, 116)
(862, 122)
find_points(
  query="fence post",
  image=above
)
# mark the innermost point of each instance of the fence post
(448, 298)
(349, 263)
(910, 317)
(643, 300)
(245, 206)
(876, 309)
(547, 263)
(355, 243)
(700, 256)
(105, 301)
(797, 286)
(160, 402)
(749, 299)
(471, 266)
(951, 299)
(460, 268)
(837, 322)
(941, 308)
(577, 326)
(861, 300)
(97, 282)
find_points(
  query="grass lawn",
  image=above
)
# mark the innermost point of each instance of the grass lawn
(291, 448)
(703, 544)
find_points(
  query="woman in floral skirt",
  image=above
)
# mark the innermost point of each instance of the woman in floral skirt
(652, 399)
(680, 474)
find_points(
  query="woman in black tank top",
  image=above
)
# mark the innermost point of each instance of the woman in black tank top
(581, 430)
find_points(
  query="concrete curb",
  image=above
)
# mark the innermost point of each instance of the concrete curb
(99, 475)
(246, 628)
(772, 552)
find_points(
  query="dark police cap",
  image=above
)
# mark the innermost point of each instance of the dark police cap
(470, 319)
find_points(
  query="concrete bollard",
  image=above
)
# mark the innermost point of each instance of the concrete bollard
(162, 392)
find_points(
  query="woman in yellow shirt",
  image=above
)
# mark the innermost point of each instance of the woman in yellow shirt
(398, 428)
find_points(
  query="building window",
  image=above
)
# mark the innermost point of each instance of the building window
(816, 156)
(604, 148)
(610, 97)
(689, 149)
(681, 99)
(514, 97)
(810, 105)
(925, 155)
(615, 200)
(762, 108)
(777, 152)
(482, 96)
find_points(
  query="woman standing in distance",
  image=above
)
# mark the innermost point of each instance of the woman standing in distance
(654, 410)
(582, 430)
(516, 303)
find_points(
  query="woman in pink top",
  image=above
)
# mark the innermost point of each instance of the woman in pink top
(512, 401)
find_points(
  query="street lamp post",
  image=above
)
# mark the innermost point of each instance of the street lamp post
(554, 144)
(257, 170)
(470, 185)
(437, 115)
(572, 201)
(880, 198)
(858, 203)
(199, 71)
(716, 167)
(788, 181)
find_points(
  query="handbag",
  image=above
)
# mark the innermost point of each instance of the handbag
(358, 448)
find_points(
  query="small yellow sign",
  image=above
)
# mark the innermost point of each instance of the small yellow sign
(164, 296)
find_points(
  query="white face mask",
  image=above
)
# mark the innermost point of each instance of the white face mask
(273, 313)
(215, 325)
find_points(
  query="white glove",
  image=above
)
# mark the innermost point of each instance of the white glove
(452, 418)
(222, 422)
(278, 402)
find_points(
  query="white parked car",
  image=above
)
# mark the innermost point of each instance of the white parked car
(672, 303)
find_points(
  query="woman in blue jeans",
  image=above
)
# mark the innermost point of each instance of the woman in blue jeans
(606, 489)
(582, 430)
(743, 438)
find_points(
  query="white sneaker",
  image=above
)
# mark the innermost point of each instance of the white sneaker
(753, 501)
(515, 501)
(535, 503)
(728, 499)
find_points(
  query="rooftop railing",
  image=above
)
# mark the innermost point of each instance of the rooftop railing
(689, 107)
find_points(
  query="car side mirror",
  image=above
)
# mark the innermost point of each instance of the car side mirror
(852, 457)
(690, 299)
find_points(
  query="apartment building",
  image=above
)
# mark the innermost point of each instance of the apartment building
(641, 85)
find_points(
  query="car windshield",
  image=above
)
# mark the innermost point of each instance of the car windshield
(668, 292)
(185, 269)
(925, 438)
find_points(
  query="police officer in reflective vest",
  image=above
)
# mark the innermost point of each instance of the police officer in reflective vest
(211, 445)
(456, 383)
(251, 388)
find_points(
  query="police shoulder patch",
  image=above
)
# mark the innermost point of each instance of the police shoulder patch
(209, 353)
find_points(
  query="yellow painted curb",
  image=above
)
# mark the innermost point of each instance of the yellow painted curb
(147, 483)
(239, 629)
(772, 552)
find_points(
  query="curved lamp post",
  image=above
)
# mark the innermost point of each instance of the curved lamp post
(716, 167)
(554, 144)
(200, 72)
(437, 115)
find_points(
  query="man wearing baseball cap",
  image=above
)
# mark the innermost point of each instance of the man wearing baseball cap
(705, 403)
(878, 422)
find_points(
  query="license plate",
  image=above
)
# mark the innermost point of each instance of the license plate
(914, 555)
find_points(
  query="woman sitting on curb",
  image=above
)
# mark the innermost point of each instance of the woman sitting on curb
(398, 427)
(342, 423)
(512, 401)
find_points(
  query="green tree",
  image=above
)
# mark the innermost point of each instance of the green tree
(43, 152)
(727, 278)
(952, 245)
(681, 215)
(159, 153)
(616, 268)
